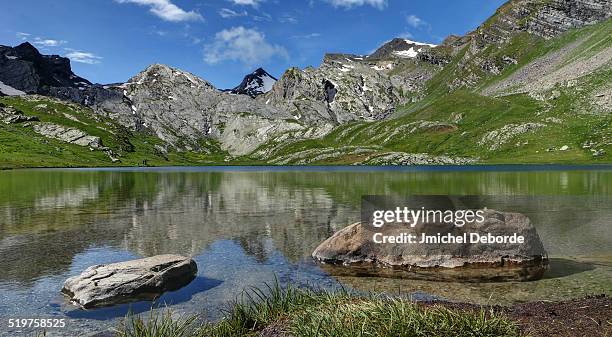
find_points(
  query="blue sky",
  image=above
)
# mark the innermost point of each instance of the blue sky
(222, 40)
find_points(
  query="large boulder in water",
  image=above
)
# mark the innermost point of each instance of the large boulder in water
(353, 251)
(142, 279)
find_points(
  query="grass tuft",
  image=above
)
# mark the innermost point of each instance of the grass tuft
(159, 325)
(303, 312)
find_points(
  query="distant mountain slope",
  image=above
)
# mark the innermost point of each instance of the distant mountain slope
(532, 84)
(553, 103)
(256, 83)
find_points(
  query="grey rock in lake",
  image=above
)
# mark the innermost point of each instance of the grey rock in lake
(354, 249)
(104, 285)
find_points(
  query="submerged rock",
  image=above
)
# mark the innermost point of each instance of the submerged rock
(104, 285)
(354, 249)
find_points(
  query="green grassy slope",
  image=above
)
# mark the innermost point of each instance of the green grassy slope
(21, 146)
(480, 116)
(454, 122)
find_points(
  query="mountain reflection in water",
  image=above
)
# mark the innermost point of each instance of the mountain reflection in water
(248, 226)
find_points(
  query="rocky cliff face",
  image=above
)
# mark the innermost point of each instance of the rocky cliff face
(187, 112)
(557, 16)
(541, 18)
(348, 87)
(25, 69)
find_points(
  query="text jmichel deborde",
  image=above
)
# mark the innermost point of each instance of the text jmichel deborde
(458, 218)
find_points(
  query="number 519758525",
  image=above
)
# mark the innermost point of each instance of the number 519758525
(36, 322)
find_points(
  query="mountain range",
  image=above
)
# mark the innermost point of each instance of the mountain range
(532, 84)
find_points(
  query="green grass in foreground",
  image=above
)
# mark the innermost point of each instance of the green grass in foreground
(299, 312)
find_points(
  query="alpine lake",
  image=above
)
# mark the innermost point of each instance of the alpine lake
(250, 226)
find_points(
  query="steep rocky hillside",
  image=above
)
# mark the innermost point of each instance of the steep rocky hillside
(547, 66)
(531, 84)
(186, 112)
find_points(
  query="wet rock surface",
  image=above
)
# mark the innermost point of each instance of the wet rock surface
(355, 250)
(143, 279)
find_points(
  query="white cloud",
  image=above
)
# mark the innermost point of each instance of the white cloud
(82, 56)
(307, 36)
(262, 17)
(253, 3)
(227, 13)
(380, 4)
(415, 21)
(166, 10)
(406, 35)
(23, 36)
(248, 46)
(40, 42)
(288, 19)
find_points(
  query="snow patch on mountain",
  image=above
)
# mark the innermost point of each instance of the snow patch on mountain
(410, 53)
(256, 83)
(420, 43)
(9, 91)
(401, 48)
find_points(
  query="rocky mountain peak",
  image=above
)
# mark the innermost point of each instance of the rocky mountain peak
(400, 48)
(256, 83)
(24, 68)
(27, 51)
(161, 75)
(259, 72)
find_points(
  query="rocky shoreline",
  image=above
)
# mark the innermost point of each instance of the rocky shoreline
(589, 316)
